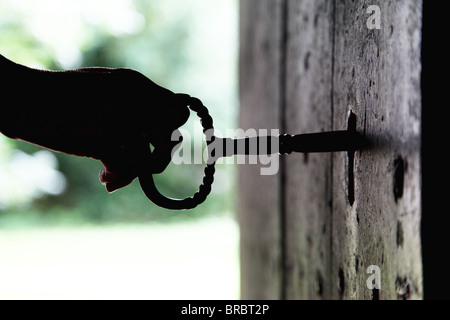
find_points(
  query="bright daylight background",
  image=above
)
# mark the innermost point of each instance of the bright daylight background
(61, 235)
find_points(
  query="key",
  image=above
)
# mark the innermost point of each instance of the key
(334, 141)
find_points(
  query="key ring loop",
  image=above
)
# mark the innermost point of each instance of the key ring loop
(146, 178)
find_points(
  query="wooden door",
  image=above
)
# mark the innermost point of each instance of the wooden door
(333, 225)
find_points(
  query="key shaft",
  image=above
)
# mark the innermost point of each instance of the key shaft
(333, 141)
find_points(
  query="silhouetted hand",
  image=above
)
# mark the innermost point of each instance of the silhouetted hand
(107, 114)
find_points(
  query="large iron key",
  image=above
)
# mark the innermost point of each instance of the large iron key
(346, 140)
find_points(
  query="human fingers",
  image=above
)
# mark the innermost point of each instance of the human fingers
(164, 147)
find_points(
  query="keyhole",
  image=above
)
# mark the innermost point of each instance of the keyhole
(351, 126)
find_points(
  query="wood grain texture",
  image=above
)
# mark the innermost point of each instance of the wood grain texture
(259, 196)
(312, 231)
(377, 77)
(308, 176)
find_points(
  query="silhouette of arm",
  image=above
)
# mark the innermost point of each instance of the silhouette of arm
(107, 114)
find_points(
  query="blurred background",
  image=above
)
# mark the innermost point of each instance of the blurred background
(61, 234)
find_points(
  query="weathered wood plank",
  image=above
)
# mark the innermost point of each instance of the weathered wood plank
(308, 177)
(377, 77)
(259, 196)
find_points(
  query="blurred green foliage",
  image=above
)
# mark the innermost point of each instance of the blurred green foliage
(187, 46)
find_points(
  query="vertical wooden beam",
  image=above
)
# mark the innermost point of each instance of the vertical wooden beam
(376, 199)
(259, 195)
(308, 177)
